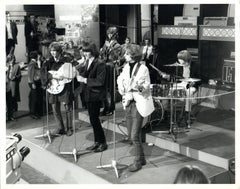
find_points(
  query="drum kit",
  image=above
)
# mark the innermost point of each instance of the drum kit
(170, 91)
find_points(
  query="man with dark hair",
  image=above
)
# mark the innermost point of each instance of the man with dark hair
(57, 68)
(110, 53)
(93, 78)
(31, 34)
(34, 82)
(11, 34)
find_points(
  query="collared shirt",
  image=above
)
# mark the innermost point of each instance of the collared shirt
(147, 51)
(9, 30)
(90, 62)
(186, 71)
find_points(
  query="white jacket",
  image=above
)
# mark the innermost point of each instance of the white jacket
(127, 84)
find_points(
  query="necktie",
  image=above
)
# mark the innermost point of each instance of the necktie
(86, 66)
(146, 53)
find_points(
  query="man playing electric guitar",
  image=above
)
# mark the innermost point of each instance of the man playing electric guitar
(134, 86)
(63, 92)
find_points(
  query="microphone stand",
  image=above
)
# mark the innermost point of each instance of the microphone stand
(48, 133)
(74, 152)
(114, 164)
(171, 130)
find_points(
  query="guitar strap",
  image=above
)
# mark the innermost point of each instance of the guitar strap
(136, 70)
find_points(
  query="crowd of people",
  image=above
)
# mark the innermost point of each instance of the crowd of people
(98, 76)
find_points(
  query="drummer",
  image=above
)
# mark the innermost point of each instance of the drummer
(184, 59)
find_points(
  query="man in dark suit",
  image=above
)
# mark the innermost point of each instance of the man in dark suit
(55, 63)
(94, 92)
(11, 34)
(31, 34)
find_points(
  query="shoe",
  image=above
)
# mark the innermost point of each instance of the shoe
(61, 132)
(103, 113)
(143, 162)
(93, 147)
(127, 141)
(109, 113)
(69, 132)
(34, 116)
(10, 119)
(135, 167)
(101, 147)
(106, 113)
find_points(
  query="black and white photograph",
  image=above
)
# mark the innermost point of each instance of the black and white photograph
(112, 94)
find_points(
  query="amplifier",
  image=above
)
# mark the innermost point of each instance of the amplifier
(228, 71)
(185, 20)
(215, 21)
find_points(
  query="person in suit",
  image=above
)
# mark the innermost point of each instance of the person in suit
(31, 35)
(147, 52)
(11, 34)
(126, 45)
(56, 63)
(34, 82)
(14, 78)
(134, 86)
(93, 79)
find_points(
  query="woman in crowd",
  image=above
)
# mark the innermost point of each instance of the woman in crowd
(191, 175)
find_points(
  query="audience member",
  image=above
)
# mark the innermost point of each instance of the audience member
(11, 34)
(34, 82)
(14, 77)
(31, 35)
(191, 175)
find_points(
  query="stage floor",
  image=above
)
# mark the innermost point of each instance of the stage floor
(162, 164)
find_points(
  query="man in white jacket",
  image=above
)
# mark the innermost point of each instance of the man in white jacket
(134, 86)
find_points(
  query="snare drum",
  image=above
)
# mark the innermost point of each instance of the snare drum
(159, 90)
(177, 92)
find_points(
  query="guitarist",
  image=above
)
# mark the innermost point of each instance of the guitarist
(134, 86)
(56, 60)
(110, 53)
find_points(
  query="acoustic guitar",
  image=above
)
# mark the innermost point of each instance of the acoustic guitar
(63, 75)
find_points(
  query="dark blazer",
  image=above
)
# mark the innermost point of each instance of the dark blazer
(28, 28)
(14, 80)
(14, 31)
(95, 90)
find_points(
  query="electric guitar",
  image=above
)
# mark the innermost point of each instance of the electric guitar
(63, 75)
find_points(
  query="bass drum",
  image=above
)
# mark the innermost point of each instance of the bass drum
(156, 117)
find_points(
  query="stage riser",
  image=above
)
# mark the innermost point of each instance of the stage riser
(189, 152)
(56, 168)
(169, 145)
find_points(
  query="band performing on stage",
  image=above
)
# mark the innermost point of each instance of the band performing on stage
(115, 73)
(144, 93)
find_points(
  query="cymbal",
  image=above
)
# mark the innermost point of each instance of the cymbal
(190, 79)
(174, 64)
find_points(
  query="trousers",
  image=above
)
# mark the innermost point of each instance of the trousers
(134, 125)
